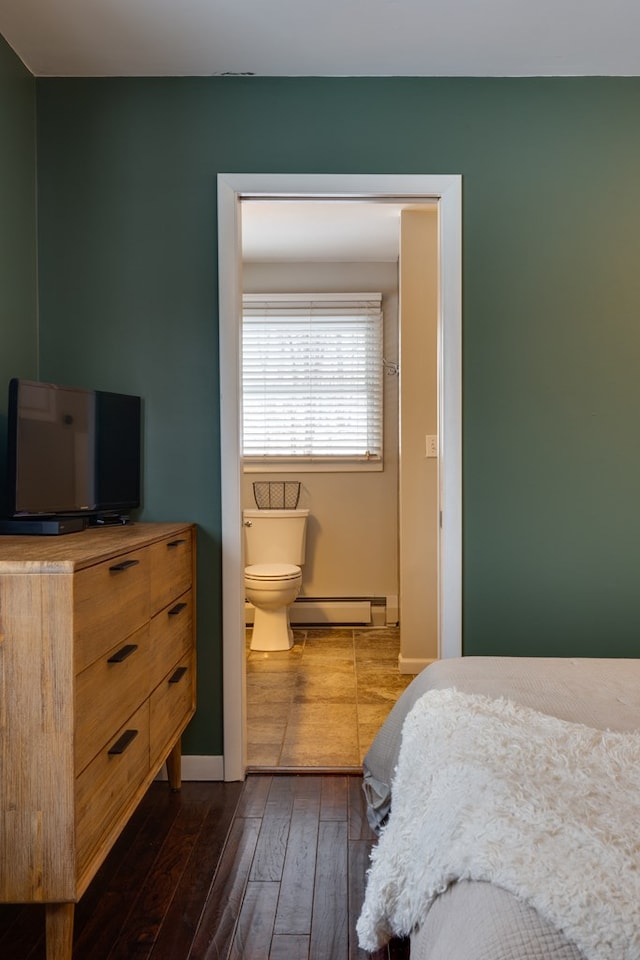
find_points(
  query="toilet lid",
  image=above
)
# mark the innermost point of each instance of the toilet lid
(272, 571)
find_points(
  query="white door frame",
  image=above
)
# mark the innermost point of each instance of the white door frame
(232, 188)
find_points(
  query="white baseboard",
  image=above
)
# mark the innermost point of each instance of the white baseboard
(376, 611)
(392, 611)
(412, 665)
(322, 612)
(198, 768)
(330, 611)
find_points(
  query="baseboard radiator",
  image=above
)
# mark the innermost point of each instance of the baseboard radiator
(319, 611)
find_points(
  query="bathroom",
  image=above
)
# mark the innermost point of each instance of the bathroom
(345, 620)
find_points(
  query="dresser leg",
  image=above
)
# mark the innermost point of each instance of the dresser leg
(174, 767)
(59, 930)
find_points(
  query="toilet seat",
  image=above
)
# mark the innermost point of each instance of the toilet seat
(272, 572)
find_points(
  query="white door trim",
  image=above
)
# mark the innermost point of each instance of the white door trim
(232, 187)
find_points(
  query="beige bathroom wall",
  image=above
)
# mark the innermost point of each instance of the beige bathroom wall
(352, 546)
(418, 485)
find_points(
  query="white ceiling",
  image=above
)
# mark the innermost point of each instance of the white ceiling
(326, 38)
(347, 230)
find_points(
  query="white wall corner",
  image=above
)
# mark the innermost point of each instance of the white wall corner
(412, 665)
(198, 768)
(392, 614)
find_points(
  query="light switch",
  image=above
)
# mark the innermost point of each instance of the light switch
(432, 446)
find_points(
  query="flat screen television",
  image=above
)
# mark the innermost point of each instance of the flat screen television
(72, 452)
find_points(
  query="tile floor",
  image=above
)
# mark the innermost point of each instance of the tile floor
(321, 703)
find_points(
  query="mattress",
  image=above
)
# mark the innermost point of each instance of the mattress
(475, 920)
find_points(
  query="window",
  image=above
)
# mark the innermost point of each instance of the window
(312, 379)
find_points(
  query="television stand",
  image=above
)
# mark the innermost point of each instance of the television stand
(110, 520)
(40, 527)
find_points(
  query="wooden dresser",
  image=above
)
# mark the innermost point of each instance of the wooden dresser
(97, 683)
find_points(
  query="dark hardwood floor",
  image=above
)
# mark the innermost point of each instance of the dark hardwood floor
(272, 869)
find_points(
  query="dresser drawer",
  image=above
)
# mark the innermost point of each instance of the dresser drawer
(105, 786)
(111, 600)
(108, 691)
(172, 704)
(171, 569)
(171, 637)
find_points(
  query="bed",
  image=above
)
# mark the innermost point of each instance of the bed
(507, 796)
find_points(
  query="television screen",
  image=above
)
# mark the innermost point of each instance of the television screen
(71, 451)
(117, 465)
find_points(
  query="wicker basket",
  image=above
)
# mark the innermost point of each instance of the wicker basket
(276, 494)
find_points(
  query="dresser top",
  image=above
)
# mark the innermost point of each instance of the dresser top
(73, 551)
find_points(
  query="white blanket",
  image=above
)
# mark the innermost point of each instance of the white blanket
(490, 790)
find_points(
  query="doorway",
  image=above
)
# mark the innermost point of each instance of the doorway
(232, 189)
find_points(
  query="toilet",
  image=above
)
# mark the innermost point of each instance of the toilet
(274, 544)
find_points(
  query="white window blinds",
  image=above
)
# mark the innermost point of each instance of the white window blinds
(312, 376)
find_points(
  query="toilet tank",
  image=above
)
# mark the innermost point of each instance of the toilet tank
(274, 536)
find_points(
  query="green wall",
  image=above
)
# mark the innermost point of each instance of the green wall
(18, 298)
(551, 247)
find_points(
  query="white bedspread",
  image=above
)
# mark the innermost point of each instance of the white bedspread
(491, 790)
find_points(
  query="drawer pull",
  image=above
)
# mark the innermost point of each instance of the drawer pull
(175, 543)
(123, 742)
(123, 653)
(124, 565)
(177, 675)
(176, 609)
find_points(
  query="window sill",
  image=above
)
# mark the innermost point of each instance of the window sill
(312, 466)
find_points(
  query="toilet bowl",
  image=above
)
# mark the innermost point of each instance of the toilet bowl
(274, 549)
(272, 588)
